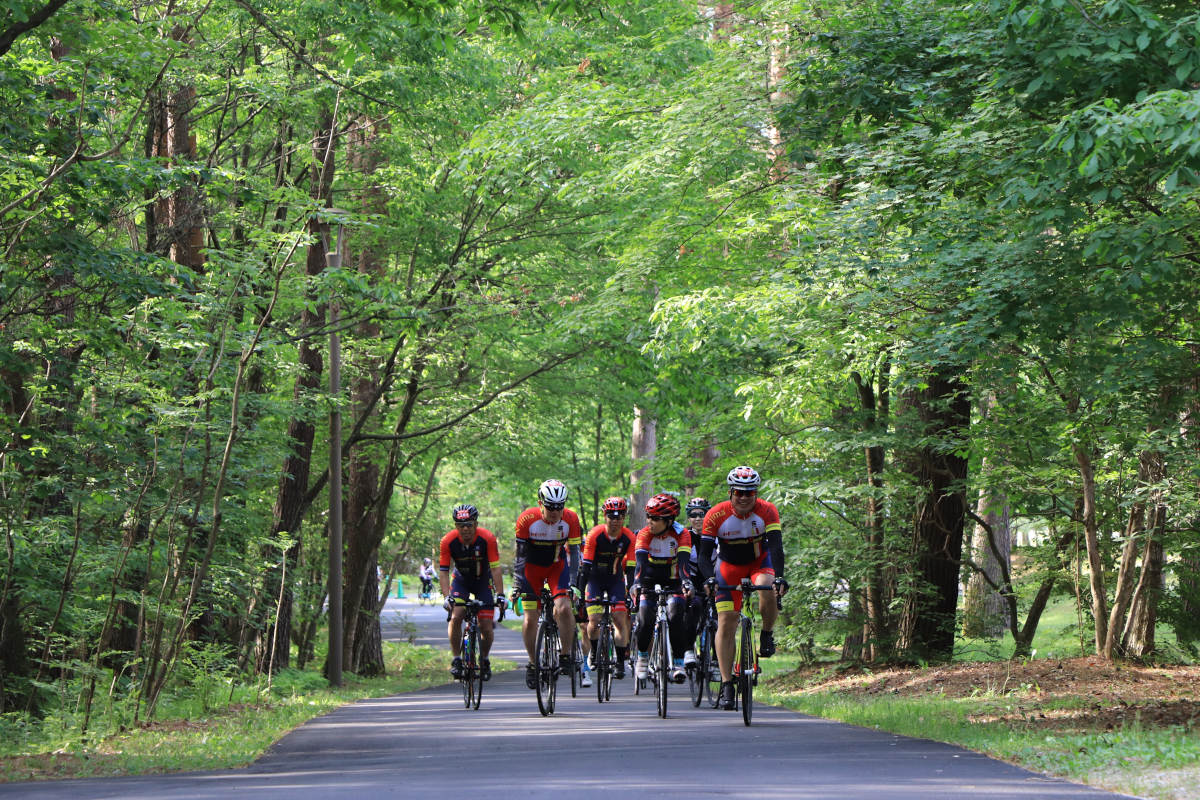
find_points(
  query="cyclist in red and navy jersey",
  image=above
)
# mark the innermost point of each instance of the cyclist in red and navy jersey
(664, 548)
(475, 557)
(748, 538)
(603, 569)
(548, 539)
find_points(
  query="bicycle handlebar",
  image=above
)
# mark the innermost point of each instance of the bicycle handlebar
(746, 586)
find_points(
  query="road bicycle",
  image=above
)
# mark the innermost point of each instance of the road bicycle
(704, 676)
(745, 665)
(659, 669)
(472, 667)
(547, 647)
(605, 652)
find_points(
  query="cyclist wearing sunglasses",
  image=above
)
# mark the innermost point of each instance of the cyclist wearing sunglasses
(747, 536)
(476, 560)
(603, 570)
(696, 508)
(664, 549)
(548, 537)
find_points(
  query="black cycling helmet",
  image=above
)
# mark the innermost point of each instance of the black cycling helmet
(697, 504)
(464, 512)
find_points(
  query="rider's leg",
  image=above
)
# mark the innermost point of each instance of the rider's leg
(487, 629)
(454, 630)
(766, 601)
(529, 628)
(564, 615)
(727, 624)
(621, 624)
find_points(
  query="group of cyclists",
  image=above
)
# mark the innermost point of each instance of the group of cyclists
(737, 538)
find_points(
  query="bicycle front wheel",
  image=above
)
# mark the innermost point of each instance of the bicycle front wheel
(603, 665)
(475, 676)
(576, 666)
(468, 658)
(546, 648)
(664, 668)
(746, 679)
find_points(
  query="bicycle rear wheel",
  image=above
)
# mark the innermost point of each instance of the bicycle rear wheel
(546, 648)
(746, 663)
(663, 660)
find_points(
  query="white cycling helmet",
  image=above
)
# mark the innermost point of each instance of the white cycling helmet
(552, 491)
(743, 478)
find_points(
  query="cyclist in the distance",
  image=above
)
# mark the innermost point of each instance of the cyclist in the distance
(603, 569)
(548, 538)
(426, 575)
(748, 539)
(475, 557)
(664, 548)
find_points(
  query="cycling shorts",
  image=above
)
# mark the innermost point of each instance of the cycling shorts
(530, 582)
(462, 588)
(732, 574)
(598, 585)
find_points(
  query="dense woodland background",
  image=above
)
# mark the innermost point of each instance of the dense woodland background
(930, 267)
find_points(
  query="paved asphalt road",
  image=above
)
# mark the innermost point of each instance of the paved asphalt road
(425, 744)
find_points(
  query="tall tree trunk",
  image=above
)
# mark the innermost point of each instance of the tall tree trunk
(1091, 534)
(927, 623)
(645, 443)
(1137, 639)
(985, 610)
(874, 405)
(367, 498)
(274, 643)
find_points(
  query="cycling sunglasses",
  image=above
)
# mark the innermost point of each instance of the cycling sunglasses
(554, 506)
(662, 519)
(745, 492)
(614, 514)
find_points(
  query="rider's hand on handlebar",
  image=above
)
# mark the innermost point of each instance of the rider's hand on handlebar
(710, 586)
(781, 586)
(448, 604)
(686, 585)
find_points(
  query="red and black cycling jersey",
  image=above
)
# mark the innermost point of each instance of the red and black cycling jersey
(545, 543)
(470, 561)
(741, 540)
(607, 555)
(662, 553)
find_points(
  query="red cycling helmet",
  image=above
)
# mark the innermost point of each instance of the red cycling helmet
(663, 505)
(616, 504)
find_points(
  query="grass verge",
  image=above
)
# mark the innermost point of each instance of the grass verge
(1144, 760)
(223, 738)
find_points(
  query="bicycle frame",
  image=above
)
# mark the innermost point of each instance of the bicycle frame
(745, 664)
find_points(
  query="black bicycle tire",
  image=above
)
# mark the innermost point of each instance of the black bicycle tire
(602, 665)
(747, 677)
(465, 657)
(476, 673)
(696, 682)
(664, 668)
(576, 668)
(712, 669)
(546, 655)
(610, 654)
